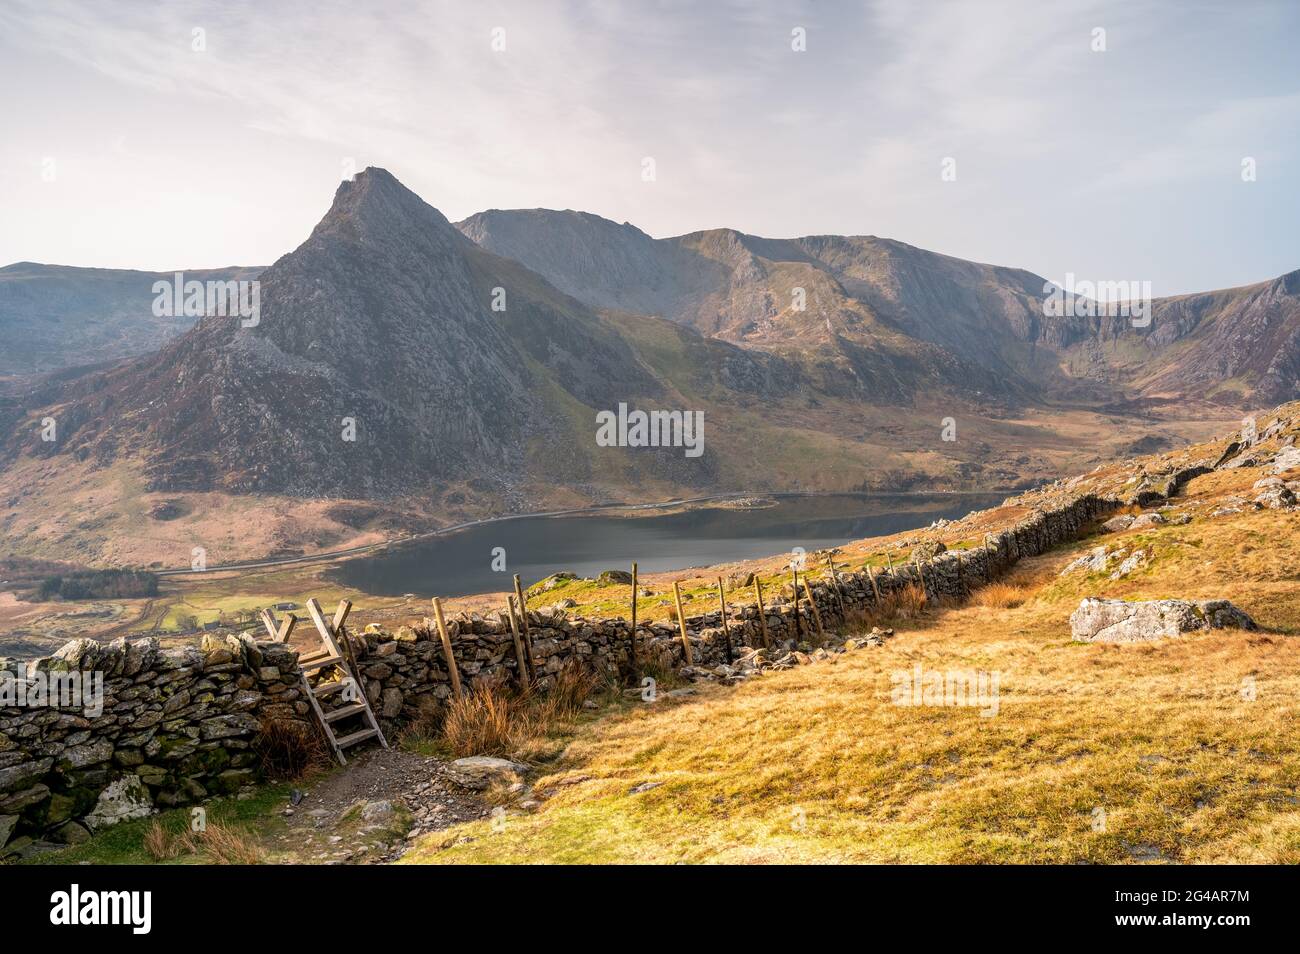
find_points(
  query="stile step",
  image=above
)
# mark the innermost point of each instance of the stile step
(320, 663)
(355, 708)
(356, 737)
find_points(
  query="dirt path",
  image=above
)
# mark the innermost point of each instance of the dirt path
(369, 811)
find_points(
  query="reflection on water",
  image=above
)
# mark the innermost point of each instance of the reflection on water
(462, 562)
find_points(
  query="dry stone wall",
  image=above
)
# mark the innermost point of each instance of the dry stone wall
(179, 725)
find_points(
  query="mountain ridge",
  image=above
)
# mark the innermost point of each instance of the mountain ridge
(399, 364)
(991, 313)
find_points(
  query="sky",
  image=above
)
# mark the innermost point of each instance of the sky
(199, 134)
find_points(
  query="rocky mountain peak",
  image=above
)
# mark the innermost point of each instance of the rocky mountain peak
(374, 207)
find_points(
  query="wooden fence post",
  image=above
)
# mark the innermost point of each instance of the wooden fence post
(872, 577)
(762, 613)
(835, 582)
(816, 613)
(521, 662)
(726, 629)
(523, 621)
(632, 651)
(988, 560)
(798, 630)
(681, 623)
(447, 653)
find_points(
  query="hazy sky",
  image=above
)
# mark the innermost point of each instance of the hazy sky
(125, 146)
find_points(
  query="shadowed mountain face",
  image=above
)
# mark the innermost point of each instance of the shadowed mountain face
(391, 354)
(866, 301)
(57, 316)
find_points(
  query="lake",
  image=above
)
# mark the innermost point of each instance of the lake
(460, 563)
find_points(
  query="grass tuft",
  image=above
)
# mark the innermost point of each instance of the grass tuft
(999, 596)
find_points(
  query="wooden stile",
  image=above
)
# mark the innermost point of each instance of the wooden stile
(816, 613)
(326, 631)
(343, 659)
(341, 634)
(448, 653)
(280, 631)
(681, 623)
(341, 614)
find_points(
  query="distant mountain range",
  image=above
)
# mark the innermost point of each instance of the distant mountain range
(58, 316)
(400, 358)
(867, 295)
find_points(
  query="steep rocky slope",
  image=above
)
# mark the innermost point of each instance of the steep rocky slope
(379, 366)
(863, 295)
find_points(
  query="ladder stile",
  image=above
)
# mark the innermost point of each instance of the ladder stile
(340, 657)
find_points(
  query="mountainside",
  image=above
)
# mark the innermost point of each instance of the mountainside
(864, 294)
(379, 366)
(400, 374)
(57, 316)
(768, 295)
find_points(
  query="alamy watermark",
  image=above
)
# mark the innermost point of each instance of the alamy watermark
(133, 909)
(1089, 299)
(951, 687)
(59, 690)
(651, 429)
(196, 299)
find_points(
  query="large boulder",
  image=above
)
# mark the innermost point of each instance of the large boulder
(1144, 521)
(1288, 458)
(479, 771)
(1120, 621)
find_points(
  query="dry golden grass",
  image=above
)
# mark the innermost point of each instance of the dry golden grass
(907, 603)
(491, 719)
(218, 843)
(999, 596)
(162, 845)
(228, 845)
(1181, 750)
(484, 721)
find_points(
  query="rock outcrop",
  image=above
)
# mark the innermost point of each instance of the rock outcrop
(1122, 621)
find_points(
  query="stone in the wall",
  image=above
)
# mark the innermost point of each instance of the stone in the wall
(123, 799)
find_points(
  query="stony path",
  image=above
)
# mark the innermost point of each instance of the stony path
(370, 811)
